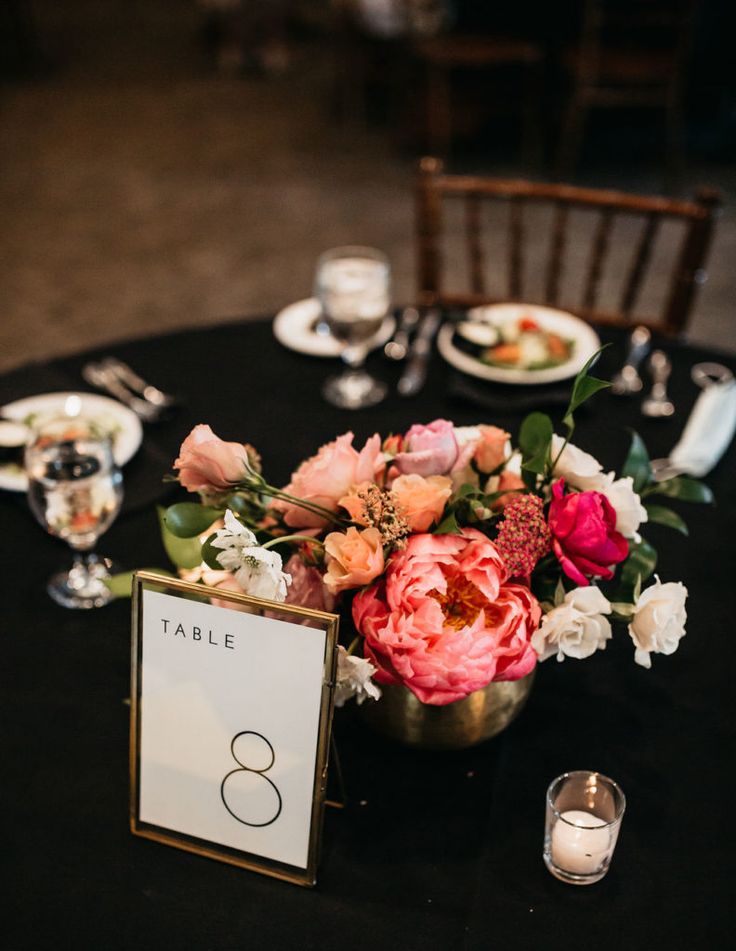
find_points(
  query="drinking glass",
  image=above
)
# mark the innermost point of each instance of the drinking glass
(352, 286)
(582, 822)
(75, 490)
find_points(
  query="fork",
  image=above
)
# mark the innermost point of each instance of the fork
(128, 376)
(103, 378)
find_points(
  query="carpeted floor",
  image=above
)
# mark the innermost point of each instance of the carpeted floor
(143, 192)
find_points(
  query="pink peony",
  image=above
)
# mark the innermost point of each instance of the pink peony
(306, 588)
(584, 536)
(353, 558)
(428, 450)
(492, 448)
(208, 464)
(325, 478)
(421, 501)
(444, 622)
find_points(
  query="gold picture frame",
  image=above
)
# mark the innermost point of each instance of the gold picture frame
(159, 584)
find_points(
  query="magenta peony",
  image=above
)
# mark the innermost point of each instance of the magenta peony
(444, 622)
(584, 536)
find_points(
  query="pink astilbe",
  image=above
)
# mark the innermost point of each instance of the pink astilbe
(523, 536)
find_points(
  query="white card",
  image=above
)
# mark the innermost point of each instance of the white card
(229, 720)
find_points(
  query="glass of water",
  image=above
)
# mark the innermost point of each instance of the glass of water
(352, 285)
(75, 490)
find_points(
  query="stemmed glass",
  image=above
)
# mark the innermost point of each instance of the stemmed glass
(352, 286)
(75, 490)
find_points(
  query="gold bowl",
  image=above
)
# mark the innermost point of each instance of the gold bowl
(455, 726)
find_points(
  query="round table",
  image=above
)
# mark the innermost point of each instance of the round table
(434, 850)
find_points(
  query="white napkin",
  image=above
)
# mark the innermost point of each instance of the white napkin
(708, 431)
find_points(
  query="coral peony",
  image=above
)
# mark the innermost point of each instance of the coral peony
(326, 477)
(584, 536)
(444, 622)
(208, 464)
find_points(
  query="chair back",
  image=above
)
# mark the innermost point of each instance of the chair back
(533, 247)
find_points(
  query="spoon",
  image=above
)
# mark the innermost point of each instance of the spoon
(627, 380)
(398, 347)
(657, 403)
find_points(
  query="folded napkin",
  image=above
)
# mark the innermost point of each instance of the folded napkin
(708, 431)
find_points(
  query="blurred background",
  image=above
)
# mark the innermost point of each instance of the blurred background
(172, 163)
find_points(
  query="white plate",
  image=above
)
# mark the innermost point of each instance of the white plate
(293, 327)
(84, 405)
(585, 339)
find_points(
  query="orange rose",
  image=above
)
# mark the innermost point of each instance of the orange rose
(422, 500)
(354, 505)
(492, 449)
(354, 558)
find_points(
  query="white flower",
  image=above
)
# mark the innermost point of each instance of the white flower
(257, 570)
(579, 469)
(630, 513)
(354, 678)
(659, 620)
(576, 627)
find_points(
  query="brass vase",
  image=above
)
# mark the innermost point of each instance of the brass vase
(455, 726)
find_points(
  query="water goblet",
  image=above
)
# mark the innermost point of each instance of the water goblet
(75, 490)
(352, 286)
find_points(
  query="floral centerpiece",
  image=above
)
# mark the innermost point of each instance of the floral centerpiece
(464, 559)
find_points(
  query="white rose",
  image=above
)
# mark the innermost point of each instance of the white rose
(630, 513)
(354, 678)
(576, 627)
(659, 620)
(579, 469)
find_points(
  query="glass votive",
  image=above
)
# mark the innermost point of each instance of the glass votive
(581, 826)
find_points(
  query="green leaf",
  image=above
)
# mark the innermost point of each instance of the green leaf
(583, 388)
(121, 585)
(535, 437)
(664, 516)
(637, 463)
(448, 526)
(184, 552)
(209, 554)
(682, 487)
(188, 519)
(623, 608)
(639, 565)
(559, 593)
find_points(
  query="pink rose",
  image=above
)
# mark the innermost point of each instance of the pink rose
(421, 501)
(443, 621)
(307, 588)
(325, 478)
(353, 558)
(208, 464)
(584, 536)
(490, 452)
(428, 450)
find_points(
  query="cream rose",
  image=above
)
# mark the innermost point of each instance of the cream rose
(575, 628)
(630, 513)
(579, 469)
(659, 620)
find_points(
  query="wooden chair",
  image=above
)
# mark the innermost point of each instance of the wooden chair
(631, 53)
(436, 190)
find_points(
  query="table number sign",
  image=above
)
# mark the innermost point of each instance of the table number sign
(231, 709)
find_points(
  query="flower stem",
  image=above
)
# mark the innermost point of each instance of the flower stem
(260, 485)
(353, 644)
(293, 538)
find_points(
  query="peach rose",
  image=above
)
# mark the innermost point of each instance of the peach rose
(326, 477)
(422, 500)
(492, 449)
(353, 559)
(208, 464)
(507, 482)
(354, 505)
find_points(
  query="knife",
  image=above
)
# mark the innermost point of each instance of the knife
(415, 374)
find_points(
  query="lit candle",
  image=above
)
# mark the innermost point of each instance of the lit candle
(579, 845)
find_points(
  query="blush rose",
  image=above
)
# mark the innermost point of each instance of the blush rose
(428, 450)
(208, 464)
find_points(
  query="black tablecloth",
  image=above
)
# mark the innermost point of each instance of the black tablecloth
(435, 850)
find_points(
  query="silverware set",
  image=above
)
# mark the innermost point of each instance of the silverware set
(627, 381)
(122, 382)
